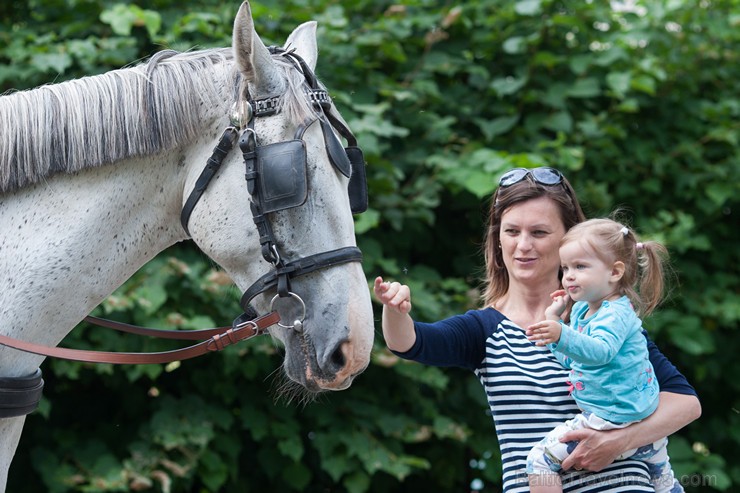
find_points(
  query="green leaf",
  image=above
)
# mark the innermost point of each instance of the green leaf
(629, 105)
(357, 482)
(51, 62)
(199, 322)
(585, 88)
(723, 134)
(151, 297)
(559, 122)
(556, 95)
(291, 447)
(297, 476)
(370, 219)
(431, 376)
(686, 332)
(497, 126)
(644, 83)
(579, 63)
(619, 83)
(721, 193)
(152, 21)
(608, 57)
(122, 18)
(336, 466)
(214, 470)
(508, 85)
(447, 428)
(516, 45)
(528, 7)
(547, 59)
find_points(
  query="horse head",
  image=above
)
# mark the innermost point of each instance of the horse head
(326, 316)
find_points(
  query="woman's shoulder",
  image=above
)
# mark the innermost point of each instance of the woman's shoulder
(488, 313)
(488, 317)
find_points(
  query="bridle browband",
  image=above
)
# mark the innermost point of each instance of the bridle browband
(269, 193)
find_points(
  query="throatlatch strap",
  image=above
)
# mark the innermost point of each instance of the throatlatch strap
(212, 166)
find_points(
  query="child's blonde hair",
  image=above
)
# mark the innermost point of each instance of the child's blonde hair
(643, 279)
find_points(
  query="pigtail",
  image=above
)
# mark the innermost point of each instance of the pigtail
(645, 264)
(651, 257)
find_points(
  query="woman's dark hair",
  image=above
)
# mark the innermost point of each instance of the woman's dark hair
(562, 194)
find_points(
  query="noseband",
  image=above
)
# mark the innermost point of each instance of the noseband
(276, 176)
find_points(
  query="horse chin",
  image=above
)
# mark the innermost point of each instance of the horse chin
(302, 366)
(301, 389)
(316, 385)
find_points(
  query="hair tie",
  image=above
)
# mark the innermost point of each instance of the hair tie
(639, 246)
(625, 231)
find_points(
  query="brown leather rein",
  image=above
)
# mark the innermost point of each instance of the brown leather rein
(213, 340)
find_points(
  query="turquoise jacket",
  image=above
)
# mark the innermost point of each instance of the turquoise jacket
(610, 373)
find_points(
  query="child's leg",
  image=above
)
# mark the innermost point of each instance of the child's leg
(655, 456)
(543, 461)
(542, 470)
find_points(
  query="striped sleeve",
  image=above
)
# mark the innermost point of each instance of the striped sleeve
(457, 341)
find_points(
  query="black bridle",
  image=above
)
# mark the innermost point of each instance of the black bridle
(276, 180)
(270, 191)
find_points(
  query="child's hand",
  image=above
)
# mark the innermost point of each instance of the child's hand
(558, 294)
(559, 303)
(545, 332)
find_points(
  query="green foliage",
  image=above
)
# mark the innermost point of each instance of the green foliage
(639, 106)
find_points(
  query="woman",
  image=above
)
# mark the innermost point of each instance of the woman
(526, 386)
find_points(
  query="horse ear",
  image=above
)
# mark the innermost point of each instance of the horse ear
(252, 57)
(303, 39)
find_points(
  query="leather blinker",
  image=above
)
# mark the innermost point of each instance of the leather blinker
(334, 149)
(357, 186)
(281, 168)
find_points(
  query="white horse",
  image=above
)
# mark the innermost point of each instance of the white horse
(94, 174)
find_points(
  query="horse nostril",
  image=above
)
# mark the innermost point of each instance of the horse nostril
(338, 359)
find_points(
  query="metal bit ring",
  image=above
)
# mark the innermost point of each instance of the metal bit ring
(298, 323)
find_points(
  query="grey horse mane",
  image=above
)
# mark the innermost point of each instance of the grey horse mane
(132, 112)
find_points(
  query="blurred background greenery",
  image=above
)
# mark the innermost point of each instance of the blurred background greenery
(637, 101)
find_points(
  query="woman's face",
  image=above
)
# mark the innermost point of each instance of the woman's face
(530, 236)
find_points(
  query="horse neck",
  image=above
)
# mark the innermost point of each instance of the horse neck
(75, 239)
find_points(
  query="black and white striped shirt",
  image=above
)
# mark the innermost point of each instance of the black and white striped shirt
(527, 392)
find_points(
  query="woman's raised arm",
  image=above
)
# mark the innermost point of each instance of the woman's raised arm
(398, 327)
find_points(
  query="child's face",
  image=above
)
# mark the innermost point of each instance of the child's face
(585, 276)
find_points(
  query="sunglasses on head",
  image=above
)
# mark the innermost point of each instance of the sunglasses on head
(544, 176)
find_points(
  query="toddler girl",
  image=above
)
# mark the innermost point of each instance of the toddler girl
(606, 271)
